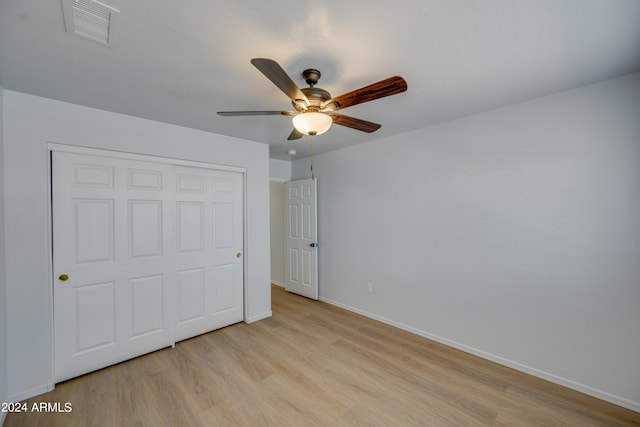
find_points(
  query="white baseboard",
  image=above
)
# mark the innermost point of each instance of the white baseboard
(259, 317)
(616, 400)
(275, 282)
(35, 391)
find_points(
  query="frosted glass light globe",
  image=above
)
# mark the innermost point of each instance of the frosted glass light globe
(312, 123)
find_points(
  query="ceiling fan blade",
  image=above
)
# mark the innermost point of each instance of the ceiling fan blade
(279, 77)
(295, 134)
(256, 113)
(354, 123)
(387, 87)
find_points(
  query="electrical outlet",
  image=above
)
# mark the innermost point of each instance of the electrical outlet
(369, 288)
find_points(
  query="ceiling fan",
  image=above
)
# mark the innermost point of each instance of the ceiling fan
(314, 107)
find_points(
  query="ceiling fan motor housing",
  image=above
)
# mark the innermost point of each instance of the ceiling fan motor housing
(316, 96)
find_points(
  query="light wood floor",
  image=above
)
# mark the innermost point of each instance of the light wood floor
(312, 364)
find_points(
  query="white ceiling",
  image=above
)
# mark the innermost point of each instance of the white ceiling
(182, 61)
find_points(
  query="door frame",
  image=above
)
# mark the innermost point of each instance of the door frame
(57, 147)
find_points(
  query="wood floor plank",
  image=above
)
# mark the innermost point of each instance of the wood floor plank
(313, 364)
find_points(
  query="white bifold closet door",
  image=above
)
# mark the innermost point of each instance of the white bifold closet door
(144, 254)
(209, 239)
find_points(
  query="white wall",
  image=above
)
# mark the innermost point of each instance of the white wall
(513, 234)
(29, 123)
(3, 306)
(276, 204)
(279, 170)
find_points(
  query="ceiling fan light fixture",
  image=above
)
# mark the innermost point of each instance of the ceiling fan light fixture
(312, 123)
(313, 104)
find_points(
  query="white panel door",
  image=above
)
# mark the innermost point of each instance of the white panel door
(114, 260)
(144, 254)
(209, 252)
(301, 257)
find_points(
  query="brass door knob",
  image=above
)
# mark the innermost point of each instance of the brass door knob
(63, 277)
(238, 255)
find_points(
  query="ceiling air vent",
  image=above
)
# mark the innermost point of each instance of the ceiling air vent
(90, 19)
